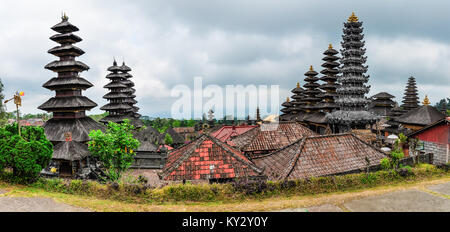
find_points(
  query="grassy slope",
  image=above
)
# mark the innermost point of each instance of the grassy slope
(270, 204)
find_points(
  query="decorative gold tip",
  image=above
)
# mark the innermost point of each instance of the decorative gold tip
(353, 18)
(330, 46)
(426, 102)
(298, 85)
(311, 68)
(288, 100)
(64, 17)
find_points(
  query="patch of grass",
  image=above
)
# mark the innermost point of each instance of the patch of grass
(241, 190)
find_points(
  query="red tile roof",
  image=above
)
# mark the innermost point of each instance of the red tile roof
(319, 156)
(227, 132)
(207, 158)
(271, 137)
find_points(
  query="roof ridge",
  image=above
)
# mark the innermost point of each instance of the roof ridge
(294, 160)
(368, 144)
(251, 164)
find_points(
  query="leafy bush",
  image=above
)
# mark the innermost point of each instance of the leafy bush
(115, 148)
(26, 155)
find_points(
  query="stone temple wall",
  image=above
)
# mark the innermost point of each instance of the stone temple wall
(441, 154)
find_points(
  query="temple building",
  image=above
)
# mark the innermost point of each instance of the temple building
(330, 73)
(297, 113)
(315, 119)
(353, 113)
(418, 118)
(382, 104)
(286, 110)
(121, 96)
(411, 98)
(69, 128)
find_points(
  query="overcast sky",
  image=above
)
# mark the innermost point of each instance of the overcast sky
(226, 42)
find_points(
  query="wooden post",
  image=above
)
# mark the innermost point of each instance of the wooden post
(18, 119)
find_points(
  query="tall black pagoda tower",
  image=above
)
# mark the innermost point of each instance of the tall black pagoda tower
(297, 113)
(411, 98)
(121, 97)
(69, 128)
(286, 110)
(352, 102)
(330, 73)
(311, 92)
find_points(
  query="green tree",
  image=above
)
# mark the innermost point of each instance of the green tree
(168, 140)
(115, 148)
(28, 154)
(3, 114)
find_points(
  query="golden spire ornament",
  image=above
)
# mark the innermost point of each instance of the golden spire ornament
(311, 68)
(330, 46)
(426, 102)
(353, 18)
(288, 100)
(298, 84)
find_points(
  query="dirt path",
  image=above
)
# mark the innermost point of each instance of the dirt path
(432, 198)
(34, 204)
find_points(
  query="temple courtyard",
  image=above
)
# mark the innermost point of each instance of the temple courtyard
(426, 196)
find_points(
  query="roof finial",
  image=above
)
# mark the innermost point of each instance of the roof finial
(330, 46)
(298, 84)
(115, 62)
(311, 68)
(353, 18)
(426, 102)
(288, 99)
(64, 17)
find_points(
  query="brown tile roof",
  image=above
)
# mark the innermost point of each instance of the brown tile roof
(319, 156)
(228, 132)
(182, 130)
(270, 137)
(207, 158)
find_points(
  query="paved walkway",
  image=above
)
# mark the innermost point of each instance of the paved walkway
(435, 198)
(23, 204)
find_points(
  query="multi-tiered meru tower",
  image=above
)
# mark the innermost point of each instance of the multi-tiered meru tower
(69, 128)
(353, 113)
(121, 96)
(411, 98)
(330, 73)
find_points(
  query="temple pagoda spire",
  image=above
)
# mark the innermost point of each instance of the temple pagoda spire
(351, 94)
(411, 98)
(311, 92)
(426, 101)
(330, 73)
(286, 110)
(297, 113)
(121, 96)
(69, 127)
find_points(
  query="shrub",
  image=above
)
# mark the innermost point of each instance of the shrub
(115, 148)
(26, 155)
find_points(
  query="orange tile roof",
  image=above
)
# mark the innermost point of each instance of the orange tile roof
(207, 158)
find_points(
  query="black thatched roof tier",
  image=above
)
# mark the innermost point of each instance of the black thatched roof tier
(66, 50)
(73, 103)
(67, 38)
(67, 66)
(70, 151)
(125, 68)
(115, 85)
(116, 106)
(65, 27)
(383, 95)
(422, 116)
(55, 129)
(318, 117)
(115, 95)
(58, 83)
(114, 76)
